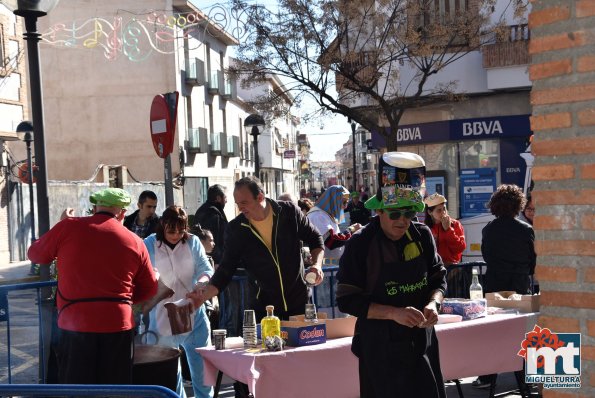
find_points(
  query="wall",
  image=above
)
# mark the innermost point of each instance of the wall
(96, 108)
(563, 99)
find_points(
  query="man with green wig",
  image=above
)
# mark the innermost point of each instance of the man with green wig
(392, 279)
(103, 269)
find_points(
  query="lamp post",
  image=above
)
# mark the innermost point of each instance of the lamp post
(25, 133)
(254, 124)
(353, 125)
(30, 10)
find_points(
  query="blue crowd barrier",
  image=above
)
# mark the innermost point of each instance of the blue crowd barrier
(87, 390)
(5, 317)
(329, 271)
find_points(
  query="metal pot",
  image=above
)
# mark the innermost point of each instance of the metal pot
(155, 365)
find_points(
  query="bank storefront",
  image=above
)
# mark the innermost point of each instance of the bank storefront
(466, 159)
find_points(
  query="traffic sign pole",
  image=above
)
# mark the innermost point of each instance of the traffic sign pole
(169, 186)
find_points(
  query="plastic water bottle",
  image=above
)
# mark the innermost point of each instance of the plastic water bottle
(475, 290)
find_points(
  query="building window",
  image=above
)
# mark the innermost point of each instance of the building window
(454, 18)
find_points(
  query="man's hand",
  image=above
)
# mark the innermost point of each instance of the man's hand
(201, 293)
(408, 316)
(319, 274)
(355, 227)
(431, 314)
(67, 213)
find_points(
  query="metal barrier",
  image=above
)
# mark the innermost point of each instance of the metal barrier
(5, 316)
(88, 390)
(331, 271)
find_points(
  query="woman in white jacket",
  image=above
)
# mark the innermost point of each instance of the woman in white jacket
(181, 262)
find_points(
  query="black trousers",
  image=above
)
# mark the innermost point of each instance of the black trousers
(96, 358)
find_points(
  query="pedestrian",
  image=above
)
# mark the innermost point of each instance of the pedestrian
(528, 211)
(288, 197)
(358, 214)
(143, 222)
(305, 205)
(508, 248)
(104, 269)
(211, 216)
(265, 240)
(392, 279)
(449, 236)
(181, 261)
(326, 216)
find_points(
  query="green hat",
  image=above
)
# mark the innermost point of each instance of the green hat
(401, 181)
(355, 194)
(111, 197)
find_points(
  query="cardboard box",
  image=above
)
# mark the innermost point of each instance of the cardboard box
(527, 302)
(468, 309)
(299, 333)
(335, 327)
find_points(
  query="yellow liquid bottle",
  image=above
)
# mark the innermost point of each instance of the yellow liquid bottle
(270, 325)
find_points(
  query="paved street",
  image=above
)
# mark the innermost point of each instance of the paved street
(25, 354)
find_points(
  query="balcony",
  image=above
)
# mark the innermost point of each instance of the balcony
(513, 51)
(361, 66)
(229, 89)
(195, 72)
(233, 146)
(215, 82)
(215, 143)
(197, 140)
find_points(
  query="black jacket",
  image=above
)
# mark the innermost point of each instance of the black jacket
(153, 222)
(508, 245)
(211, 216)
(278, 272)
(361, 263)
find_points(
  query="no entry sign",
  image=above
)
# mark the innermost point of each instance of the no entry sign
(163, 123)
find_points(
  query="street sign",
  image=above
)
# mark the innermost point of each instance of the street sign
(289, 154)
(163, 123)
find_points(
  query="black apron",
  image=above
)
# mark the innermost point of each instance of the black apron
(399, 361)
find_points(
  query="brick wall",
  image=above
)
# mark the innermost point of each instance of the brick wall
(563, 99)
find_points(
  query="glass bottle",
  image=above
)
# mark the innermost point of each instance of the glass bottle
(270, 325)
(475, 290)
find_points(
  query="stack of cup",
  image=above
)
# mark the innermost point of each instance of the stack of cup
(249, 329)
(219, 338)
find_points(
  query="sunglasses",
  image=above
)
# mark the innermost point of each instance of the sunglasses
(396, 214)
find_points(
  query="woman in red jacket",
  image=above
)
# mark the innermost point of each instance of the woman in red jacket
(448, 232)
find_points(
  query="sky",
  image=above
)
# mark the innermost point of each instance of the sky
(327, 136)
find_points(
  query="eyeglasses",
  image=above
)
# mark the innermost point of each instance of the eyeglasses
(529, 208)
(396, 214)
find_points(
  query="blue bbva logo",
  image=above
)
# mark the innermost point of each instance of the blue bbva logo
(553, 359)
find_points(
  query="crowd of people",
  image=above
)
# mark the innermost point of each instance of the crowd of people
(393, 272)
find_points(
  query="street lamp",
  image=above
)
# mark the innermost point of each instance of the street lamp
(254, 124)
(30, 10)
(353, 125)
(25, 133)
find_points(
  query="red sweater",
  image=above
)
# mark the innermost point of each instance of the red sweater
(97, 258)
(451, 243)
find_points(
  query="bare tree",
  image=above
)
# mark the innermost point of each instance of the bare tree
(369, 60)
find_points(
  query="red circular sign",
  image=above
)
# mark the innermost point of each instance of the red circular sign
(162, 128)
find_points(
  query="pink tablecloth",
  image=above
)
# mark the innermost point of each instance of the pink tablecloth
(326, 370)
(470, 348)
(483, 346)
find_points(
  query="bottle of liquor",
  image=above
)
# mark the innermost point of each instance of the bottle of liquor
(475, 290)
(270, 325)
